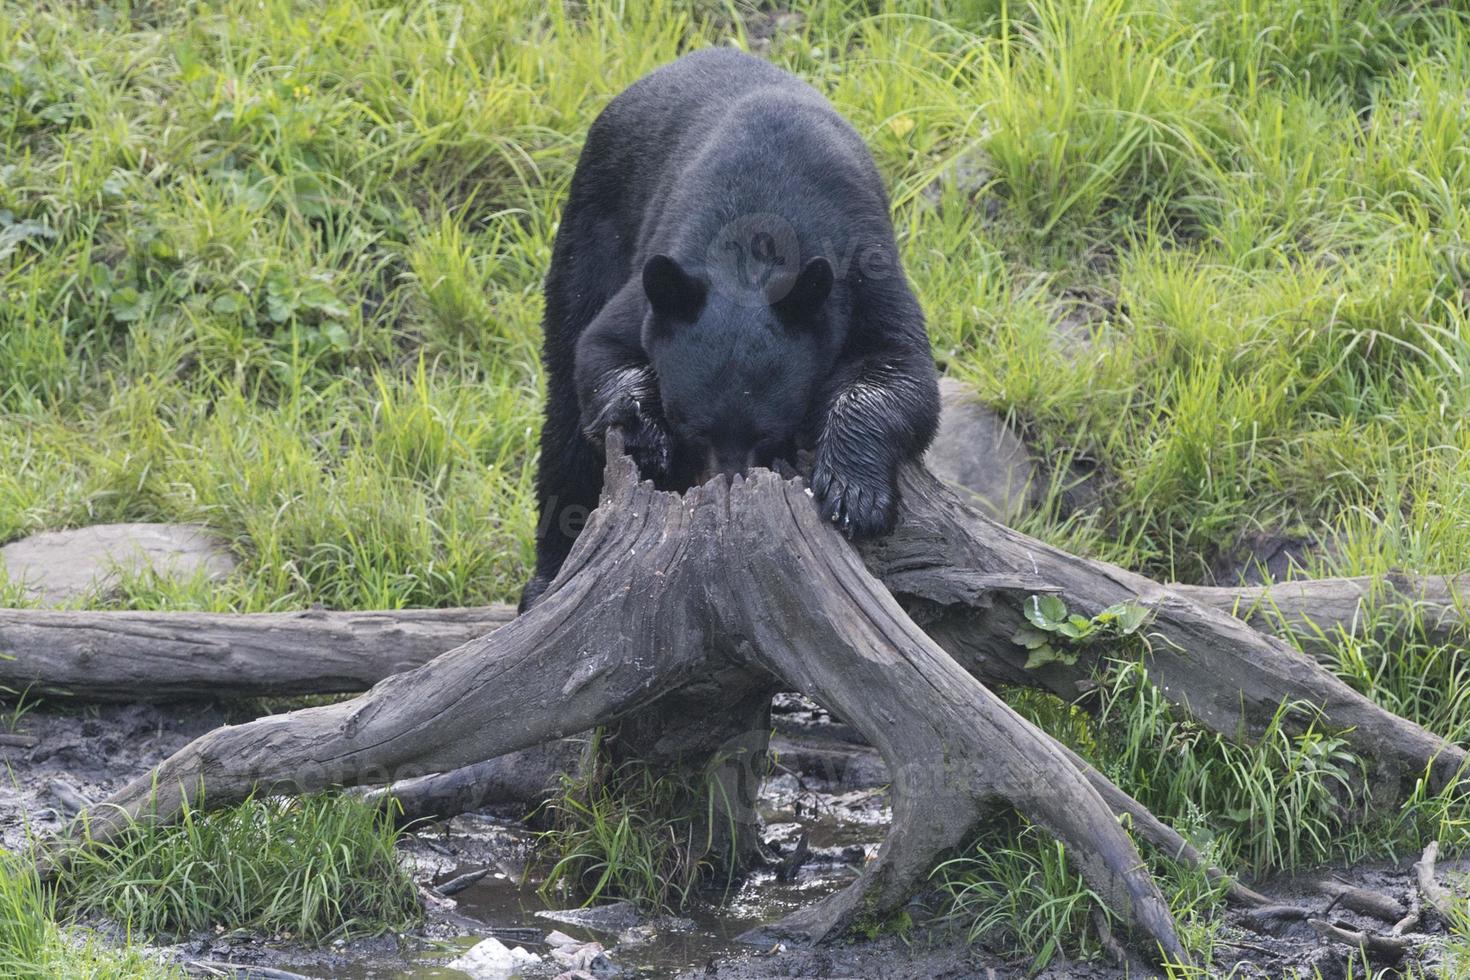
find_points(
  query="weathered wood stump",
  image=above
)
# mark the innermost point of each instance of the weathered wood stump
(674, 605)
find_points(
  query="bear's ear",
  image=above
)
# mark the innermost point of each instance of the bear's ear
(807, 293)
(674, 293)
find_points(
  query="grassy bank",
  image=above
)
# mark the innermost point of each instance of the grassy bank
(275, 267)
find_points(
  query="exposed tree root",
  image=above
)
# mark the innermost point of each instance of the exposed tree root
(1438, 896)
(1383, 944)
(1363, 900)
(942, 562)
(671, 606)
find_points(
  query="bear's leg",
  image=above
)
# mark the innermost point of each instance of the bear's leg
(616, 386)
(585, 273)
(608, 384)
(883, 412)
(568, 483)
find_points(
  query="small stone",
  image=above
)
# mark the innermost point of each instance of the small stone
(584, 959)
(637, 936)
(490, 959)
(57, 567)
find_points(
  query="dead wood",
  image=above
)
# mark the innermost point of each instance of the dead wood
(1370, 942)
(1316, 608)
(159, 656)
(1410, 921)
(733, 588)
(526, 778)
(1439, 897)
(1363, 900)
(948, 564)
(676, 617)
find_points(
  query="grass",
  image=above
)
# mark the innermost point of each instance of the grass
(33, 947)
(315, 869)
(275, 267)
(1294, 800)
(621, 831)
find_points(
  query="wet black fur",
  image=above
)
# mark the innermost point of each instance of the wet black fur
(715, 354)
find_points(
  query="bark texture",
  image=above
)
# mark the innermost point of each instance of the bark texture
(159, 656)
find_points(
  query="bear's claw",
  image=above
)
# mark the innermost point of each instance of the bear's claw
(861, 506)
(648, 442)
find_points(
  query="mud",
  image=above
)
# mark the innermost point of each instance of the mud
(826, 789)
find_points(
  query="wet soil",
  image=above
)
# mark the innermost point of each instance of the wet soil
(826, 788)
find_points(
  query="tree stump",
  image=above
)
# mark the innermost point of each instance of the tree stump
(677, 615)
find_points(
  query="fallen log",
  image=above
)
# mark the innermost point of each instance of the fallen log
(1383, 944)
(1313, 609)
(160, 656)
(676, 616)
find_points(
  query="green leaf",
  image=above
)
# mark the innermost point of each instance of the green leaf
(1048, 654)
(14, 233)
(1131, 617)
(228, 303)
(128, 304)
(1030, 637)
(336, 337)
(311, 196)
(1073, 630)
(317, 295)
(279, 307)
(1045, 612)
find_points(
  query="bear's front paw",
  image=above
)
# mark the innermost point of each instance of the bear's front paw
(647, 441)
(645, 437)
(862, 505)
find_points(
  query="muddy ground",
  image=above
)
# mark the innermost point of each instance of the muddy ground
(827, 787)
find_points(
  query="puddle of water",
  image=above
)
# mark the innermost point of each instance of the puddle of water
(508, 907)
(842, 829)
(708, 930)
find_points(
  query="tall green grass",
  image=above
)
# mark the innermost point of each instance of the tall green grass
(314, 869)
(32, 947)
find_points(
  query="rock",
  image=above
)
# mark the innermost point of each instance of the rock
(763, 28)
(611, 919)
(972, 174)
(1081, 313)
(1276, 556)
(557, 939)
(490, 959)
(976, 452)
(581, 960)
(58, 567)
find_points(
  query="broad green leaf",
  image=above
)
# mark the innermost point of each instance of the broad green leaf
(1045, 611)
(1029, 637)
(1131, 618)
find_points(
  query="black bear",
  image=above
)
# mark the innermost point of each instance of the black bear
(725, 289)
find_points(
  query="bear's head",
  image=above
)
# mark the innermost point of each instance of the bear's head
(738, 370)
